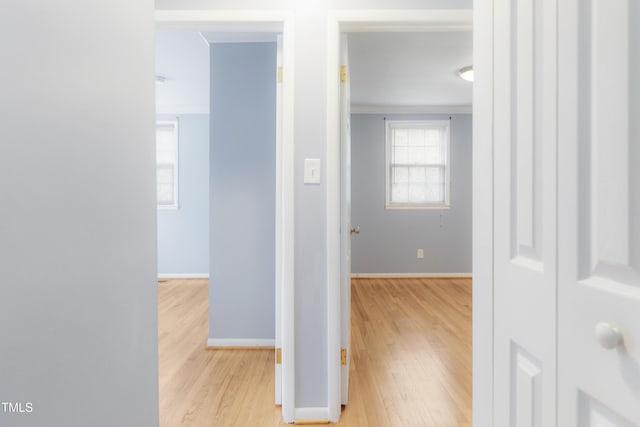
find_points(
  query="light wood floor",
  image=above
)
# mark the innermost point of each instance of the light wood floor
(410, 365)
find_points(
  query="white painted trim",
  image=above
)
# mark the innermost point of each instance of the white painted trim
(204, 39)
(319, 413)
(417, 207)
(183, 275)
(260, 21)
(173, 124)
(279, 255)
(391, 124)
(240, 342)
(177, 110)
(417, 20)
(410, 275)
(236, 37)
(287, 221)
(345, 218)
(333, 193)
(483, 215)
(265, 21)
(416, 109)
(168, 207)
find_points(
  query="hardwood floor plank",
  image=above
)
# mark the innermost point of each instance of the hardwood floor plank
(410, 359)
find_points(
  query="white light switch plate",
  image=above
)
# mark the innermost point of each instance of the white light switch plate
(312, 171)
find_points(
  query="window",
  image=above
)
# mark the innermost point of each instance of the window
(167, 164)
(417, 164)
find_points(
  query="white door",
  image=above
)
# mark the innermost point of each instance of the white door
(566, 206)
(525, 237)
(599, 214)
(280, 258)
(345, 219)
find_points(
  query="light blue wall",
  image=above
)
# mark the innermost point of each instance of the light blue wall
(389, 239)
(310, 269)
(242, 192)
(183, 234)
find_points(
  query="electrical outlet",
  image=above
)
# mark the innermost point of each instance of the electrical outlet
(420, 254)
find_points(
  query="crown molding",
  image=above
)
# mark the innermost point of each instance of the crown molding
(417, 109)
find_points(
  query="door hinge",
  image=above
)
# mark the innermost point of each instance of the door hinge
(343, 74)
(343, 356)
(279, 75)
(278, 356)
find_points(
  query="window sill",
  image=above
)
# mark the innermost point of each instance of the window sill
(168, 208)
(416, 207)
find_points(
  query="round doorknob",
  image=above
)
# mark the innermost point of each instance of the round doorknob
(355, 230)
(608, 336)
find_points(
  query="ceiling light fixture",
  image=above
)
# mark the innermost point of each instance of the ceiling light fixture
(466, 73)
(160, 80)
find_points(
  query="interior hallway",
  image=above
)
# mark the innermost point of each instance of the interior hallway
(410, 365)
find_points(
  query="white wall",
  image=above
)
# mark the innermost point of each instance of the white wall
(182, 58)
(78, 296)
(310, 214)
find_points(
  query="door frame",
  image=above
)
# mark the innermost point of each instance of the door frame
(482, 218)
(275, 22)
(421, 21)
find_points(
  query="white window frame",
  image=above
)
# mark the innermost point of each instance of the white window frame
(392, 124)
(174, 124)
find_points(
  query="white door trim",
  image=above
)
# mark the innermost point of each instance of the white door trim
(333, 218)
(266, 21)
(410, 21)
(399, 21)
(482, 221)
(279, 270)
(244, 21)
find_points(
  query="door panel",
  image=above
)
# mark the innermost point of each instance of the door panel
(593, 413)
(599, 215)
(525, 213)
(345, 214)
(566, 126)
(526, 387)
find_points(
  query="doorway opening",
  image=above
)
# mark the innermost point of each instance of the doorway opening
(236, 172)
(410, 174)
(367, 125)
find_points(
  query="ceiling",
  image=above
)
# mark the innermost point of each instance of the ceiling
(389, 71)
(182, 57)
(409, 69)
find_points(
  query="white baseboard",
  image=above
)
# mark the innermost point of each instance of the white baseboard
(183, 275)
(319, 413)
(409, 275)
(241, 342)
